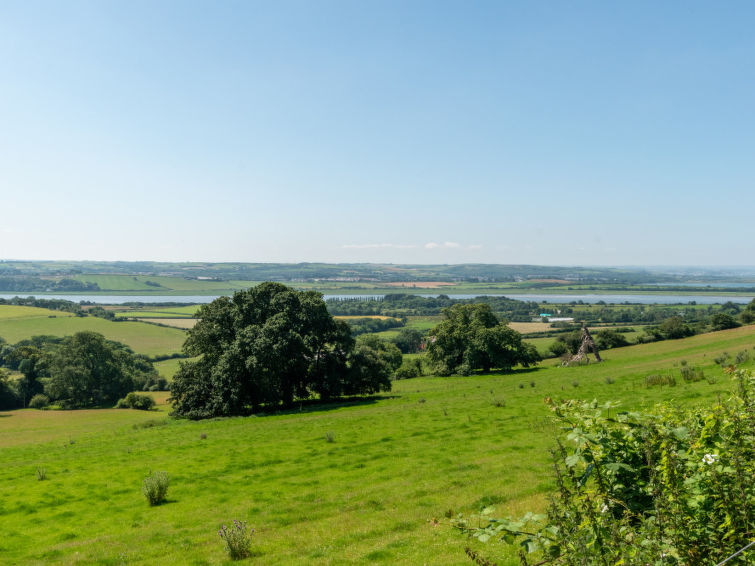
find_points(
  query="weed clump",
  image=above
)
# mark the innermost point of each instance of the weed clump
(41, 474)
(656, 379)
(692, 375)
(238, 540)
(330, 436)
(722, 359)
(155, 487)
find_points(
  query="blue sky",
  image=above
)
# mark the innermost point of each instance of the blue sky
(406, 132)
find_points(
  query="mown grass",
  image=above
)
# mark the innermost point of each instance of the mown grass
(377, 493)
(143, 338)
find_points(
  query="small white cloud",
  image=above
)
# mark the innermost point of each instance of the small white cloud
(444, 245)
(475, 247)
(376, 246)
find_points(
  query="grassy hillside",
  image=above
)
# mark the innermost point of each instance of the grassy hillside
(13, 312)
(376, 494)
(148, 339)
(160, 284)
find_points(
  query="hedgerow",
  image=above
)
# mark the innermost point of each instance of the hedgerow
(673, 487)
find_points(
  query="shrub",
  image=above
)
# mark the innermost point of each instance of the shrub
(238, 539)
(409, 369)
(155, 487)
(722, 359)
(136, 401)
(39, 401)
(742, 357)
(692, 375)
(674, 487)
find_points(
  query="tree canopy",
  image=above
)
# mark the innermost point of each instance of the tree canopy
(270, 345)
(471, 337)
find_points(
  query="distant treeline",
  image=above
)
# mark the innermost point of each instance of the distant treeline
(402, 304)
(27, 283)
(528, 274)
(370, 325)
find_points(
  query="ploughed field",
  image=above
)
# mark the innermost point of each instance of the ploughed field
(367, 482)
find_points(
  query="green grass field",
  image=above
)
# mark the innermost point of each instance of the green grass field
(377, 493)
(143, 338)
(161, 284)
(13, 312)
(167, 368)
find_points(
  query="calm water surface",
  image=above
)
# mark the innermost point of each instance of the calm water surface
(589, 298)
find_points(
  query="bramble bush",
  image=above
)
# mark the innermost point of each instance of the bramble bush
(674, 487)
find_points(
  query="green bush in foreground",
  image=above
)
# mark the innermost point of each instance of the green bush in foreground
(155, 487)
(238, 539)
(669, 488)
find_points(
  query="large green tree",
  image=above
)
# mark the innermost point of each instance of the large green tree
(471, 337)
(87, 370)
(268, 345)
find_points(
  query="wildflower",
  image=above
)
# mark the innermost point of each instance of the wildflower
(604, 508)
(709, 458)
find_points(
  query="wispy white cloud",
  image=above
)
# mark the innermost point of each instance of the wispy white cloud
(444, 245)
(451, 246)
(377, 246)
(427, 246)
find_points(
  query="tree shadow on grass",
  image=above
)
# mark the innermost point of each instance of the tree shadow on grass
(513, 372)
(317, 406)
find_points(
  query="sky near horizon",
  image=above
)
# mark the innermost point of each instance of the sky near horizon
(557, 133)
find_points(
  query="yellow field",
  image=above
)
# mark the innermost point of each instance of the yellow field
(527, 327)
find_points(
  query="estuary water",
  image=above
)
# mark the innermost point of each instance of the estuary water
(590, 298)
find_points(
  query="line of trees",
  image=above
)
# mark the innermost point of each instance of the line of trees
(82, 370)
